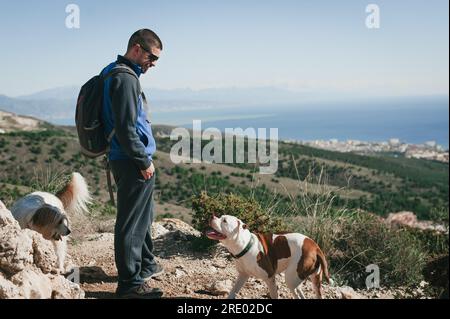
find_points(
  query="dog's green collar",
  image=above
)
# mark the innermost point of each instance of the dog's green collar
(246, 249)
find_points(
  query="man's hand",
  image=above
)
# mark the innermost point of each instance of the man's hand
(148, 173)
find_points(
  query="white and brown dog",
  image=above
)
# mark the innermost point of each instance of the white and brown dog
(47, 213)
(265, 255)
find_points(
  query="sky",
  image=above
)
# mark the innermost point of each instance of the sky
(320, 46)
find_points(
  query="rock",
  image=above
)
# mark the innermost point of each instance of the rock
(103, 237)
(65, 289)
(6, 218)
(44, 255)
(158, 230)
(219, 264)
(179, 273)
(32, 284)
(348, 293)
(409, 219)
(222, 287)
(16, 251)
(212, 269)
(7, 289)
(402, 219)
(174, 225)
(26, 259)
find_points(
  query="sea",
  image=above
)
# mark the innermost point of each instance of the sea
(412, 120)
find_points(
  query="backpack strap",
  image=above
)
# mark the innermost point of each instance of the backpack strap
(120, 68)
(108, 179)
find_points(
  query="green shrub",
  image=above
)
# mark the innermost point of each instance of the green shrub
(366, 240)
(49, 179)
(36, 149)
(108, 209)
(164, 215)
(354, 239)
(8, 196)
(435, 243)
(313, 213)
(436, 273)
(3, 143)
(246, 209)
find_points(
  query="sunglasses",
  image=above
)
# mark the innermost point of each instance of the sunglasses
(151, 56)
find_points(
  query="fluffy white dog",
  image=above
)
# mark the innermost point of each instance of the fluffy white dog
(47, 213)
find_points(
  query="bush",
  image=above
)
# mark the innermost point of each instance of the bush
(366, 240)
(36, 149)
(164, 215)
(313, 212)
(108, 209)
(353, 239)
(436, 273)
(246, 209)
(49, 179)
(435, 243)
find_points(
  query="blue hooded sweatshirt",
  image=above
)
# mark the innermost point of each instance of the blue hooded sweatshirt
(126, 111)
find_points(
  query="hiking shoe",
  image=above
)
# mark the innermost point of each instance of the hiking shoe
(159, 270)
(144, 291)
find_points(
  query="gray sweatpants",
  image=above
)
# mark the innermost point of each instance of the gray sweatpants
(133, 244)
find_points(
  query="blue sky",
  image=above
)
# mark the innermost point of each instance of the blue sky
(320, 46)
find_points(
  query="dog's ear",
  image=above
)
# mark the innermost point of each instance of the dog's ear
(238, 227)
(44, 216)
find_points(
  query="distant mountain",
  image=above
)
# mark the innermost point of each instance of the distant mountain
(57, 105)
(219, 95)
(52, 110)
(60, 93)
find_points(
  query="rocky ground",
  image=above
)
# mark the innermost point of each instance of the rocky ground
(189, 274)
(27, 266)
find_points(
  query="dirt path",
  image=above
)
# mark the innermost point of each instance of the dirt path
(187, 274)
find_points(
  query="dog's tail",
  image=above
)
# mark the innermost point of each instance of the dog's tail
(75, 195)
(323, 265)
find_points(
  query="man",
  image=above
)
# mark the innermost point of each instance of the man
(130, 157)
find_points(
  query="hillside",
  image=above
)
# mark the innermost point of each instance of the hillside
(37, 155)
(379, 184)
(10, 122)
